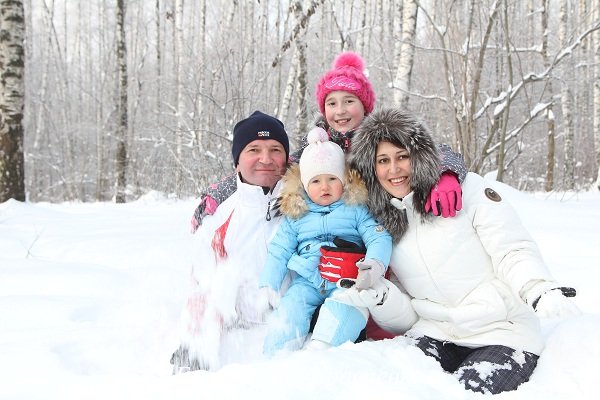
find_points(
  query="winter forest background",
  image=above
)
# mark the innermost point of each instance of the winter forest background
(124, 97)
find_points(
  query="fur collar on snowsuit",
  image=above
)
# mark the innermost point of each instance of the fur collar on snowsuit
(292, 200)
(404, 130)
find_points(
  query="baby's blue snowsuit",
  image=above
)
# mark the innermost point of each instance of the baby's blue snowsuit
(296, 248)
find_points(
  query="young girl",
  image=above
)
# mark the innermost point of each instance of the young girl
(345, 96)
(322, 201)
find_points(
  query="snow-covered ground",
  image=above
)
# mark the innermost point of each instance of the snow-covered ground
(90, 296)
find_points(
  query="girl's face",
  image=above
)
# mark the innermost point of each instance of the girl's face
(393, 170)
(325, 189)
(343, 111)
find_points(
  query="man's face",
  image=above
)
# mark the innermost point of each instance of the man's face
(262, 163)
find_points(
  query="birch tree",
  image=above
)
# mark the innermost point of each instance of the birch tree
(122, 117)
(179, 84)
(301, 72)
(549, 114)
(397, 49)
(12, 61)
(566, 105)
(596, 94)
(297, 74)
(103, 182)
(202, 118)
(405, 62)
(503, 118)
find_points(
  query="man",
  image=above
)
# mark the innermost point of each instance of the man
(231, 245)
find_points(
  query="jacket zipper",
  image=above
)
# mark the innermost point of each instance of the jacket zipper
(268, 216)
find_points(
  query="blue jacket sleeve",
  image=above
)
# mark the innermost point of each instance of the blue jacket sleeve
(280, 250)
(376, 238)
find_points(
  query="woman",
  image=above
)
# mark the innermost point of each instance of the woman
(468, 285)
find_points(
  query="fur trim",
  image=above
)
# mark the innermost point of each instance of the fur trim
(292, 200)
(404, 130)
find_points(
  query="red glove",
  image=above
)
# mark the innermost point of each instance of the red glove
(340, 262)
(446, 195)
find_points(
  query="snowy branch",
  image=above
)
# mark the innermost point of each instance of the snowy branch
(515, 132)
(511, 93)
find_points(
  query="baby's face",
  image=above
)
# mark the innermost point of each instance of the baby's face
(343, 111)
(325, 189)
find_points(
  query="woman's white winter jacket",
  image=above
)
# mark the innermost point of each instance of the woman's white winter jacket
(467, 277)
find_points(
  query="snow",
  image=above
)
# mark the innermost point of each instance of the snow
(90, 296)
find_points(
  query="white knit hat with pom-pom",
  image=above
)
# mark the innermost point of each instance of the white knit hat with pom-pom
(321, 157)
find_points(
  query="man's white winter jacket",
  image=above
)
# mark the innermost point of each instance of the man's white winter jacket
(233, 278)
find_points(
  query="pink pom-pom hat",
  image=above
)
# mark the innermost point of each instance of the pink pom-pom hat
(346, 75)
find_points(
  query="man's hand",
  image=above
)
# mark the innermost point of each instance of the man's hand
(268, 299)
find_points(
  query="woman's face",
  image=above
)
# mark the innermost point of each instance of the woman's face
(393, 170)
(343, 111)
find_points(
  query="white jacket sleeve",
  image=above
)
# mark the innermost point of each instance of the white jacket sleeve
(514, 253)
(396, 314)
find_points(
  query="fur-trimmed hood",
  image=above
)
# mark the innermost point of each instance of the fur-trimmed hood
(293, 200)
(402, 129)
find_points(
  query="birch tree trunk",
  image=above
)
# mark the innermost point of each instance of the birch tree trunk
(288, 89)
(569, 153)
(180, 112)
(361, 45)
(397, 38)
(550, 120)
(103, 183)
(301, 112)
(288, 92)
(203, 117)
(12, 71)
(501, 163)
(409, 24)
(35, 179)
(596, 94)
(582, 95)
(122, 117)
(158, 65)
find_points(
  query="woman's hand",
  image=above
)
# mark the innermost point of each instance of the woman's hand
(367, 298)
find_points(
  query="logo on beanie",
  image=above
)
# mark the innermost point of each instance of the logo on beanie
(262, 134)
(342, 83)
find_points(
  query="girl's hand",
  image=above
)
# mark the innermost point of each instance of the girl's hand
(445, 197)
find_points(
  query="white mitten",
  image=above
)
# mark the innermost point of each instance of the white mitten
(555, 304)
(267, 299)
(366, 298)
(369, 272)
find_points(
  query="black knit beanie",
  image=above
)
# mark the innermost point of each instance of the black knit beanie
(258, 126)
